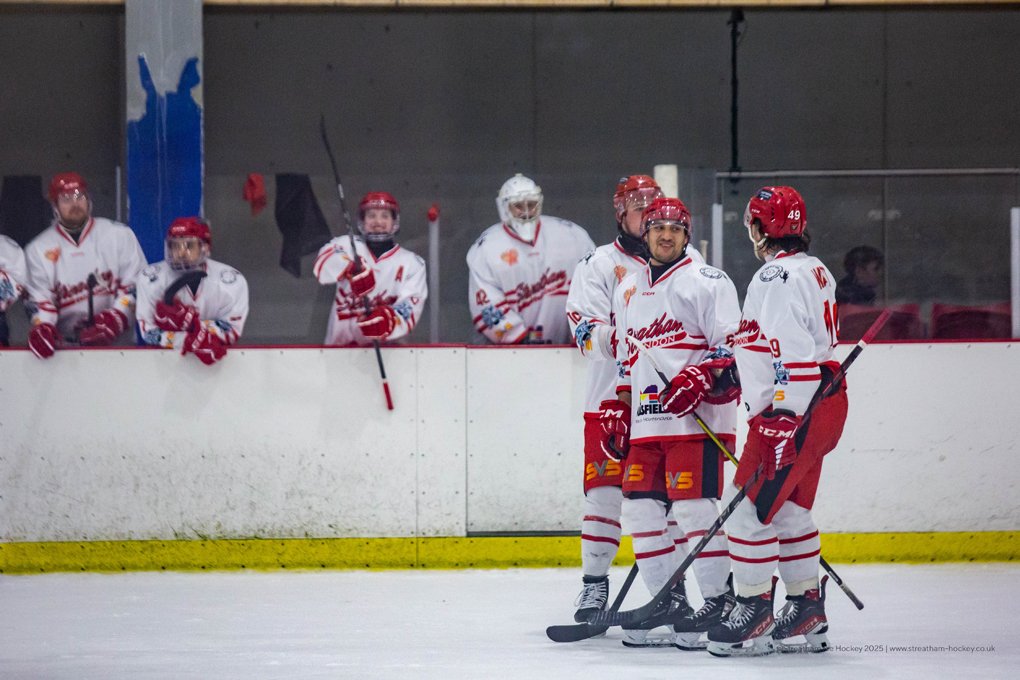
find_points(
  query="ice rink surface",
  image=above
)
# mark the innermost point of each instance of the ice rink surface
(961, 618)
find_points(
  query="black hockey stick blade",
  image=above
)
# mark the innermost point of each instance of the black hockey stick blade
(190, 278)
(582, 631)
(845, 588)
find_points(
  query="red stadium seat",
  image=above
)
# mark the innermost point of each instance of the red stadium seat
(962, 322)
(903, 324)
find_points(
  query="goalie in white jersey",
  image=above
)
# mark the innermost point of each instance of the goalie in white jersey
(13, 281)
(520, 269)
(189, 301)
(683, 311)
(784, 352)
(589, 312)
(82, 273)
(391, 278)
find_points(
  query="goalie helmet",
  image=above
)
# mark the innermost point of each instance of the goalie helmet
(188, 243)
(519, 203)
(379, 231)
(779, 210)
(636, 193)
(664, 209)
(67, 183)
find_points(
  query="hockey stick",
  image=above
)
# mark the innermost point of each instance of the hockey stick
(189, 278)
(91, 282)
(733, 459)
(617, 618)
(582, 631)
(354, 254)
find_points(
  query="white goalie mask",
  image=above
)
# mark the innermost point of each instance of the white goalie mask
(519, 203)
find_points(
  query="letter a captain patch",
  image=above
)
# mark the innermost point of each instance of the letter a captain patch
(400, 274)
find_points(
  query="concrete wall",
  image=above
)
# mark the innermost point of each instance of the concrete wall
(444, 105)
(297, 443)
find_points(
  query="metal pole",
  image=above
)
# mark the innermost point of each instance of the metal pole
(1014, 270)
(717, 235)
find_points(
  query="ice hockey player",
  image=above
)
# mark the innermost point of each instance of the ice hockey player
(207, 314)
(520, 269)
(389, 278)
(591, 321)
(13, 281)
(784, 352)
(683, 311)
(82, 273)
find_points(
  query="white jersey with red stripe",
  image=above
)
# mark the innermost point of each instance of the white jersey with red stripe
(59, 268)
(787, 330)
(400, 282)
(13, 272)
(690, 309)
(590, 302)
(221, 299)
(517, 289)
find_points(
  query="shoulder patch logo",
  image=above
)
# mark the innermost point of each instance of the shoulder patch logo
(711, 273)
(772, 272)
(510, 256)
(151, 273)
(228, 275)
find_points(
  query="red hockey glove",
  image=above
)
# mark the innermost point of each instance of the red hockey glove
(771, 435)
(725, 381)
(614, 417)
(686, 390)
(363, 282)
(176, 317)
(42, 340)
(379, 323)
(106, 327)
(205, 345)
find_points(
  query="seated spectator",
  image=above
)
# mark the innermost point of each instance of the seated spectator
(863, 266)
(189, 301)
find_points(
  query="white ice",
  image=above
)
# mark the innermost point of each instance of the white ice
(469, 624)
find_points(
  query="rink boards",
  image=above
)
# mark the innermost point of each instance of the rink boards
(141, 459)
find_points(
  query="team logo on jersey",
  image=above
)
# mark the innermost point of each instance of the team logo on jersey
(619, 271)
(52, 255)
(628, 294)
(228, 275)
(782, 373)
(151, 273)
(773, 271)
(711, 273)
(667, 329)
(400, 274)
(649, 401)
(510, 256)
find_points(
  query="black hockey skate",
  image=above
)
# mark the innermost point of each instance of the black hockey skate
(803, 617)
(690, 629)
(671, 611)
(747, 631)
(592, 598)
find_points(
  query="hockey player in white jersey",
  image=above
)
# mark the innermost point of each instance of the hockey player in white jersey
(392, 278)
(13, 280)
(207, 312)
(784, 352)
(591, 321)
(682, 311)
(520, 269)
(82, 273)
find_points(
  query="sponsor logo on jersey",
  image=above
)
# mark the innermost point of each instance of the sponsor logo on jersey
(635, 472)
(773, 271)
(619, 271)
(605, 468)
(711, 273)
(649, 401)
(52, 255)
(679, 480)
(510, 256)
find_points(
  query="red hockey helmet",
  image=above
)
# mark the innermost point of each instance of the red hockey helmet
(637, 191)
(665, 209)
(67, 183)
(379, 199)
(188, 242)
(779, 210)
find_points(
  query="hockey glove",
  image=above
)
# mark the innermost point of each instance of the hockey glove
(770, 434)
(363, 282)
(42, 340)
(107, 327)
(614, 417)
(205, 345)
(176, 317)
(725, 381)
(686, 390)
(379, 323)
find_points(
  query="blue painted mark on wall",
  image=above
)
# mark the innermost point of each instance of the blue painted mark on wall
(164, 159)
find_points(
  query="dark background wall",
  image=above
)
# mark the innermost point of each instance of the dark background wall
(443, 106)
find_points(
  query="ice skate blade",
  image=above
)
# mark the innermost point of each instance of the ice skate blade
(813, 644)
(762, 646)
(637, 639)
(689, 642)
